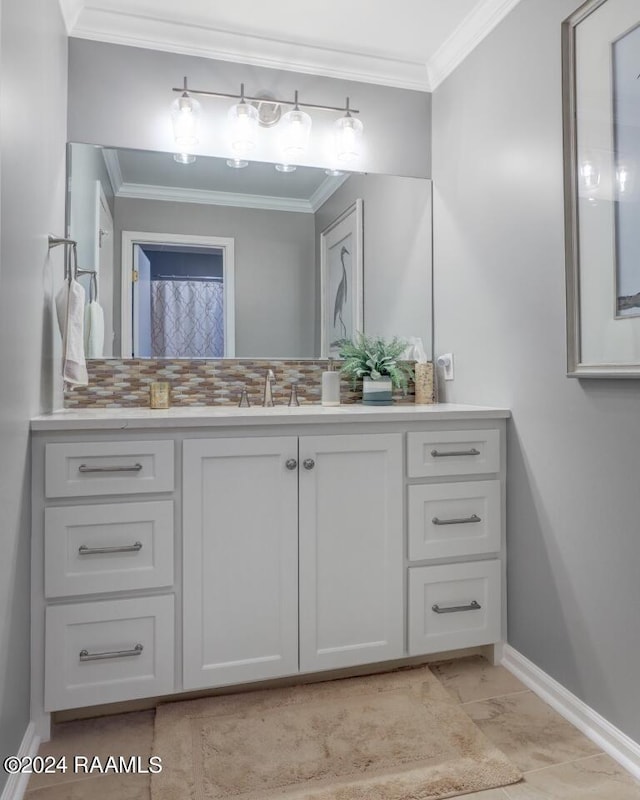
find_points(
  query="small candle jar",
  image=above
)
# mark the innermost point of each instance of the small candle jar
(159, 394)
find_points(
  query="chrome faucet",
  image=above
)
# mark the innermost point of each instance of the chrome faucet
(269, 379)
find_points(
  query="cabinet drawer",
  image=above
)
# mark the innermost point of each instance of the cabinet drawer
(441, 453)
(104, 652)
(453, 606)
(98, 468)
(454, 519)
(108, 548)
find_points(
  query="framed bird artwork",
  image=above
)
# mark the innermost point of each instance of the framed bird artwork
(341, 270)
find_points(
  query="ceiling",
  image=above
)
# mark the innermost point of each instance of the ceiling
(150, 175)
(412, 44)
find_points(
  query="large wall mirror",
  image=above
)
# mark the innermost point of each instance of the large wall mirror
(204, 260)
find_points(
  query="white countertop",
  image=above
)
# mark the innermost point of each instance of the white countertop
(216, 416)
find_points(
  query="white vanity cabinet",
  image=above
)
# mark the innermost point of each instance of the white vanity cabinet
(240, 559)
(456, 535)
(255, 508)
(351, 550)
(199, 548)
(103, 570)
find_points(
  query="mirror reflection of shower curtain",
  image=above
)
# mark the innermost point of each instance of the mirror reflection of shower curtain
(187, 319)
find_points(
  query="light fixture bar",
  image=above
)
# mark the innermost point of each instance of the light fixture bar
(293, 103)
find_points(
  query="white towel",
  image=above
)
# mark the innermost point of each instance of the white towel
(93, 330)
(70, 311)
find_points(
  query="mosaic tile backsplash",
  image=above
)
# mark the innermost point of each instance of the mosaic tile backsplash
(126, 384)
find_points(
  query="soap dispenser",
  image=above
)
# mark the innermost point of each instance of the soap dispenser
(330, 386)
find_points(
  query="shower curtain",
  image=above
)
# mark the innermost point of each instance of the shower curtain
(187, 319)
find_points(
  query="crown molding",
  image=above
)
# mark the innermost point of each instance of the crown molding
(112, 163)
(118, 26)
(187, 38)
(328, 186)
(142, 191)
(467, 36)
(71, 10)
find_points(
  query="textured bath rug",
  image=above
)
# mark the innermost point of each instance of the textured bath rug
(397, 736)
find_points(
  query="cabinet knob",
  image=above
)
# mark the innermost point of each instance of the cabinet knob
(308, 463)
(291, 463)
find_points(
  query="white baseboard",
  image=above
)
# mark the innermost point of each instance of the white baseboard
(16, 785)
(613, 741)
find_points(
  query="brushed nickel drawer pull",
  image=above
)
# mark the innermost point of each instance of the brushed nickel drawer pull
(472, 452)
(83, 550)
(472, 606)
(85, 655)
(458, 521)
(133, 468)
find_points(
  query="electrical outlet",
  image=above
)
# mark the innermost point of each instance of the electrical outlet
(445, 362)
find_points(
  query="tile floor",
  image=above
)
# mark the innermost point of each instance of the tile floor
(558, 762)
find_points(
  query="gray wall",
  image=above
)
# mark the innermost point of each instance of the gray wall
(574, 447)
(397, 252)
(274, 267)
(120, 96)
(33, 51)
(86, 168)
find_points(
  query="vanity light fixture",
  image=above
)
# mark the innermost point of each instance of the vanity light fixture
(348, 138)
(295, 132)
(185, 115)
(243, 127)
(237, 163)
(246, 116)
(184, 158)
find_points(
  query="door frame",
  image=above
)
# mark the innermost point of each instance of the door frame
(102, 204)
(226, 244)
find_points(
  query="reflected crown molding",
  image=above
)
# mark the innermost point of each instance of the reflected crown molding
(177, 194)
(119, 26)
(112, 163)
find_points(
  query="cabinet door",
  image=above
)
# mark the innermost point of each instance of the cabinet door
(351, 550)
(240, 538)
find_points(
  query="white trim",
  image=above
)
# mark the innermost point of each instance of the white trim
(16, 785)
(129, 238)
(118, 26)
(327, 188)
(466, 37)
(71, 10)
(177, 194)
(112, 163)
(101, 203)
(613, 741)
(171, 35)
(353, 216)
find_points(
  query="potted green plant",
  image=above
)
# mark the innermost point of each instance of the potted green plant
(377, 362)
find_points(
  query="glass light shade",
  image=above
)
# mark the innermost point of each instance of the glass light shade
(590, 175)
(184, 158)
(237, 163)
(185, 115)
(348, 139)
(243, 129)
(622, 178)
(295, 128)
(285, 167)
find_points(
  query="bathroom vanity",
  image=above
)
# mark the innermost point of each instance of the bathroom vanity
(196, 548)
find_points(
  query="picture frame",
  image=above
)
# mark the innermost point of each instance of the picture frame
(601, 95)
(341, 279)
